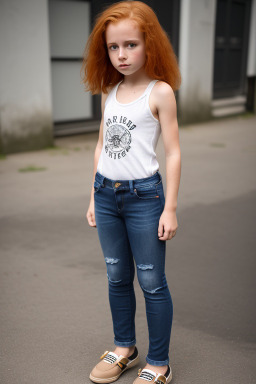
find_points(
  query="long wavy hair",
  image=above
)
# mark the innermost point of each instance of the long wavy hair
(98, 73)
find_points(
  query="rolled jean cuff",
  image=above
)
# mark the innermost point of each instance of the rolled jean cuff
(125, 343)
(158, 363)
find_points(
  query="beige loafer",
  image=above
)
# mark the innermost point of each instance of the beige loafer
(111, 366)
(148, 376)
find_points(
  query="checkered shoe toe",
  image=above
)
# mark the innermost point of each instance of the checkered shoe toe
(111, 366)
(148, 376)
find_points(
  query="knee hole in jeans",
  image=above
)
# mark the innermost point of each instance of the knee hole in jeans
(147, 278)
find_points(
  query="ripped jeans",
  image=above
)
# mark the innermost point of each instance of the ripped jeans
(127, 214)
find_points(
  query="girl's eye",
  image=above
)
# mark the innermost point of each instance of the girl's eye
(113, 47)
(132, 45)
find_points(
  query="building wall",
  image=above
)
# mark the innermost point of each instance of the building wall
(25, 83)
(69, 31)
(251, 65)
(196, 58)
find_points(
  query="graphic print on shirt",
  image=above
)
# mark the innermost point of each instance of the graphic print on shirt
(118, 138)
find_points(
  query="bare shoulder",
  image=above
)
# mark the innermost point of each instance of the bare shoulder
(103, 99)
(162, 98)
(163, 101)
(105, 95)
(162, 91)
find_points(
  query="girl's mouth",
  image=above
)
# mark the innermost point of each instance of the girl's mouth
(124, 65)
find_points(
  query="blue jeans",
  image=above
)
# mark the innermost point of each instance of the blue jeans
(127, 214)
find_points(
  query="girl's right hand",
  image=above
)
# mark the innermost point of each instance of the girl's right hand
(91, 215)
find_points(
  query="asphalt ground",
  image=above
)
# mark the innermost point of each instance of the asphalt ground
(55, 319)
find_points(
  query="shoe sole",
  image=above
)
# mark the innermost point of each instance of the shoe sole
(114, 378)
(169, 378)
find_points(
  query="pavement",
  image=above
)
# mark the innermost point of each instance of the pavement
(55, 320)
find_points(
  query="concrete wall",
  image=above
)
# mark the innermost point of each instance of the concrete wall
(25, 83)
(196, 59)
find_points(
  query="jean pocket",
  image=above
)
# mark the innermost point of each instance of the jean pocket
(147, 193)
(160, 191)
(96, 186)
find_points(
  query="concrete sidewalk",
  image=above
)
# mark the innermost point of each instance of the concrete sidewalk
(55, 317)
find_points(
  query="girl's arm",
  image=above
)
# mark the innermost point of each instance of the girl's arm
(165, 103)
(90, 213)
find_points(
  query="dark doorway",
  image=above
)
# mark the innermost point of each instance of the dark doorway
(231, 47)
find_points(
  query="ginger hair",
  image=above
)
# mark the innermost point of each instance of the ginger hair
(97, 71)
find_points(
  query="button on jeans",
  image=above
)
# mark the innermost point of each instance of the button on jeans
(127, 214)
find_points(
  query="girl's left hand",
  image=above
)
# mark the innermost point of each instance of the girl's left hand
(167, 225)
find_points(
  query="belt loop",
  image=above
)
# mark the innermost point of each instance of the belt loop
(131, 186)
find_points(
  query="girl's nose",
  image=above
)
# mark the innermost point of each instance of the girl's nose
(122, 54)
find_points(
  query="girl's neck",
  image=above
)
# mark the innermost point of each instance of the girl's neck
(136, 79)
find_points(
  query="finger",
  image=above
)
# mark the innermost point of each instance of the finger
(160, 230)
(164, 236)
(91, 220)
(168, 235)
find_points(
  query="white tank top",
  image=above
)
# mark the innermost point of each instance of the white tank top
(130, 136)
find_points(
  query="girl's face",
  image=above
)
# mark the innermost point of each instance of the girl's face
(126, 46)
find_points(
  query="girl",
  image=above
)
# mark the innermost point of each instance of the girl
(129, 59)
